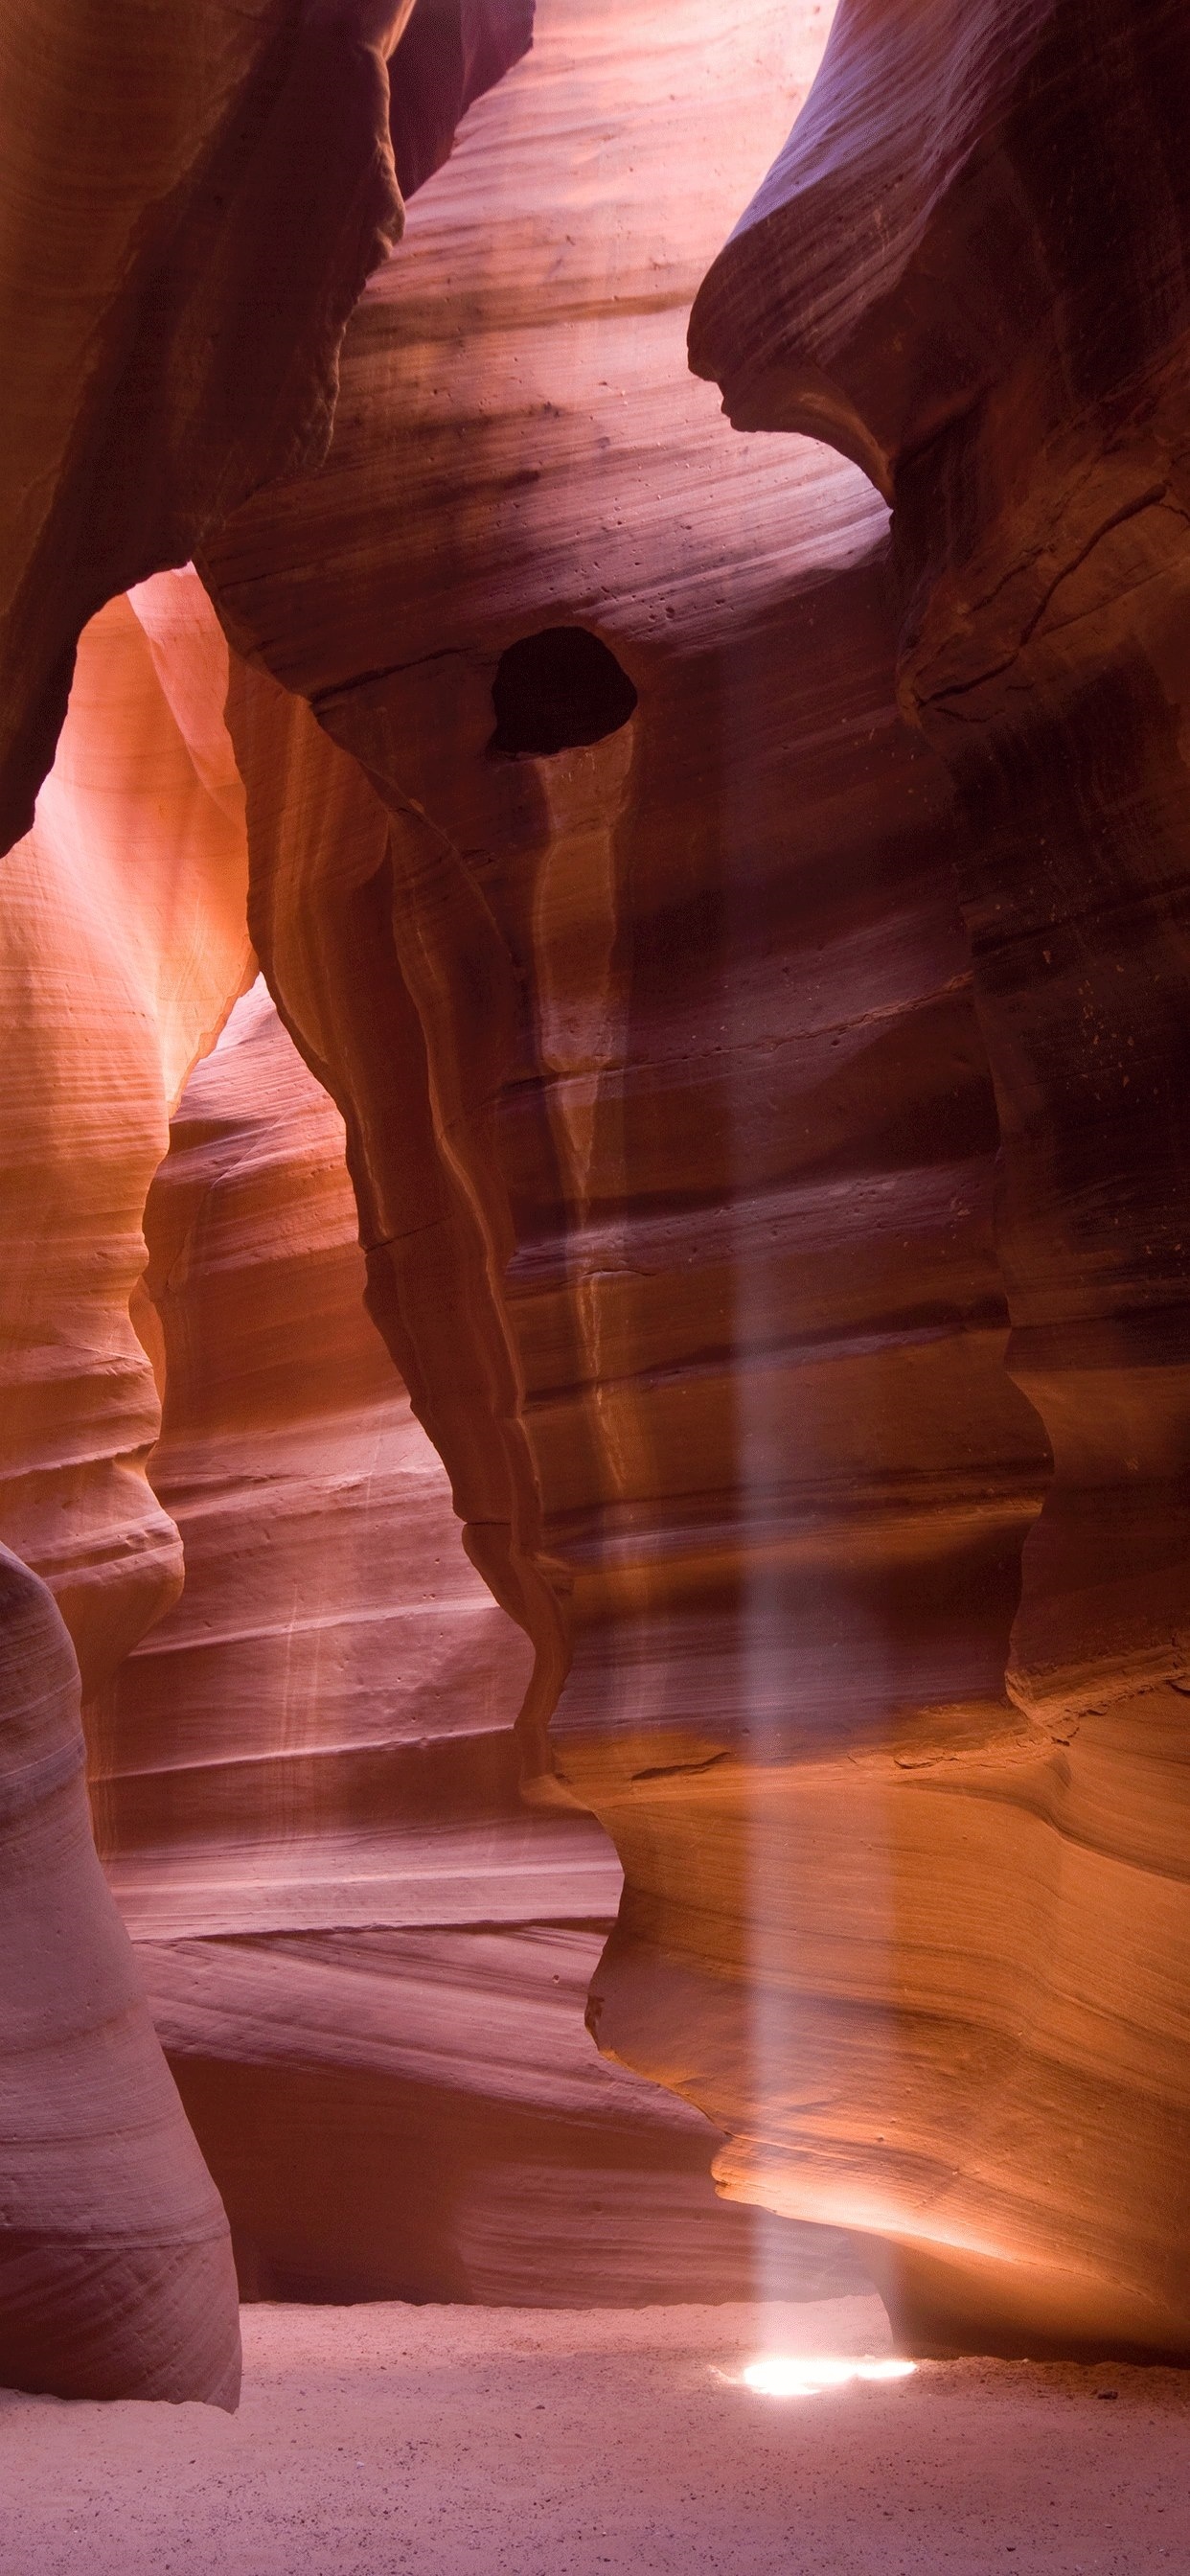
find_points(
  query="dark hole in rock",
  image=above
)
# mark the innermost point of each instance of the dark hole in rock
(555, 690)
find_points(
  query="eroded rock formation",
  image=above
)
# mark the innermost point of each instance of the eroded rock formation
(744, 947)
(191, 202)
(172, 297)
(187, 211)
(969, 269)
(123, 944)
(116, 2275)
(709, 1144)
(367, 1957)
(452, 51)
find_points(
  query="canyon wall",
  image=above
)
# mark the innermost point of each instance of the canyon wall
(743, 942)
(366, 1956)
(969, 270)
(187, 211)
(123, 943)
(190, 204)
(591, 849)
(116, 2275)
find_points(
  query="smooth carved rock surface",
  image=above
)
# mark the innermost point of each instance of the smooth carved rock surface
(367, 1958)
(969, 267)
(116, 2274)
(671, 1123)
(173, 289)
(451, 52)
(766, 1114)
(123, 944)
(171, 294)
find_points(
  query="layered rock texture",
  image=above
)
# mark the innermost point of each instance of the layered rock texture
(367, 1957)
(123, 943)
(116, 2275)
(743, 944)
(171, 299)
(643, 985)
(122, 946)
(172, 315)
(451, 52)
(969, 270)
(174, 286)
(666, 1101)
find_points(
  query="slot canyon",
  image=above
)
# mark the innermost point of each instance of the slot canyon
(595, 1210)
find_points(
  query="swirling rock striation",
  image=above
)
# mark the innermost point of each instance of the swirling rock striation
(116, 2275)
(969, 268)
(190, 204)
(366, 1956)
(172, 294)
(672, 1129)
(123, 943)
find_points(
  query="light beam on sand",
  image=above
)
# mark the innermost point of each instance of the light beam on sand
(807, 2374)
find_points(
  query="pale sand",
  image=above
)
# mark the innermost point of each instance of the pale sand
(444, 2441)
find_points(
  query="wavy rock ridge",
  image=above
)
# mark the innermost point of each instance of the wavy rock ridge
(116, 2275)
(122, 947)
(771, 1515)
(123, 943)
(367, 1958)
(964, 271)
(744, 944)
(170, 313)
(709, 1149)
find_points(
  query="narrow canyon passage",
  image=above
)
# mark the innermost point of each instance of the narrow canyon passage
(594, 1284)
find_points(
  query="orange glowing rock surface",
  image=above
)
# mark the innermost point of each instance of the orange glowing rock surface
(700, 1287)
(963, 269)
(742, 937)
(367, 1956)
(123, 944)
(173, 285)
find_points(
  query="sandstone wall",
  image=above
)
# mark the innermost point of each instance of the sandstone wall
(366, 1956)
(969, 266)
(116, 2275)
(191, 201)
(744, 943)
(707, 1150)
(123, 944)
(188, 207)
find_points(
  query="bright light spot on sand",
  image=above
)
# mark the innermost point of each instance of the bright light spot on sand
(807, 2374)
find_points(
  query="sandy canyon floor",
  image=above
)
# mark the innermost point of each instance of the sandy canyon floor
(372, 2441)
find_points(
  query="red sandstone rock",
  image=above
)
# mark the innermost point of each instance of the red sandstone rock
(367, 1957)
(451, 52)
(596, 876)
(116, 2277)
(122, 946)
(968, 267)
(675, 1142)
(123, 943)
(190, 203)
